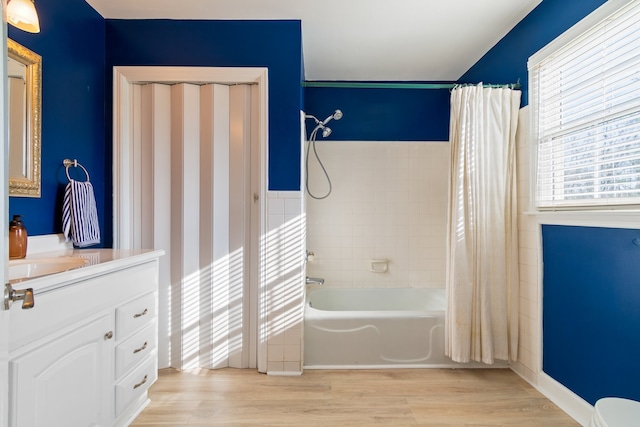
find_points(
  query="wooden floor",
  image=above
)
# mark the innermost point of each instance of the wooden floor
(412, 397)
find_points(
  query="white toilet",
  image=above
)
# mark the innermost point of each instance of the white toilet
(615, 412)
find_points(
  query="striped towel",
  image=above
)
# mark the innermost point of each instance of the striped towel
(79, 214)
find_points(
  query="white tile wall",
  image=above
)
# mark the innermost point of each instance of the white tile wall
(530, 347)
(285, 243)
(389, 200)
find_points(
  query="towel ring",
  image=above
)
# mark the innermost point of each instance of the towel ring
(67, 163)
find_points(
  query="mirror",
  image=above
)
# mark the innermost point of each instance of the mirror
(24, 71)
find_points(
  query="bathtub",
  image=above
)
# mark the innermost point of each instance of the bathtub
(374, 328)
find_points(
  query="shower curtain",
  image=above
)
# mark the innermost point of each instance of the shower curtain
(482, 247)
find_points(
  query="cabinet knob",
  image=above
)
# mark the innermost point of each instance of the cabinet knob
(108, 335)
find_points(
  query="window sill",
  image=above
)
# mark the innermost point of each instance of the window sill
(595, 218)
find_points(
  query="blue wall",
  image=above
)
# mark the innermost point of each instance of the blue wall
(382, 114)
(72, 45)
(79, 49)
(506, 62)
(273, 44)
(591, 321)
(591, 301)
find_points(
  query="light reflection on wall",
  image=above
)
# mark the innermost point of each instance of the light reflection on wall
(284, 280)
(213, 308)
(212, 314)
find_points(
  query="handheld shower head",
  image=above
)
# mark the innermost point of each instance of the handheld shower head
(337, 115)
(311, 146)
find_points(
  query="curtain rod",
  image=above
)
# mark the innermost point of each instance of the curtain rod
(371, 85)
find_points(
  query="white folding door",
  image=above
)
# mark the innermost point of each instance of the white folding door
(199, 179)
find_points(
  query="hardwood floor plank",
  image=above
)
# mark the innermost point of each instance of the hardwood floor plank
(303, 413)
(319, 398)
(508, 410)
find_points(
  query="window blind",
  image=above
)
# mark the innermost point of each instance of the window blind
(585, 101)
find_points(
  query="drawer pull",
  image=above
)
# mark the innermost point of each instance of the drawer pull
(137, 350)
(108, 335)
(144, 380)
(135, 316)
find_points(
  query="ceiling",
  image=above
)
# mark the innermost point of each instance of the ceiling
(360, 40)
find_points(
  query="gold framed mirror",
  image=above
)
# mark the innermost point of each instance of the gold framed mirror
(24, 71)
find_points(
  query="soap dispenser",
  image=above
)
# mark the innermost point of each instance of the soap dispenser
(17, 238)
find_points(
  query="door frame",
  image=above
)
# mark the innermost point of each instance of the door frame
(123, 154)
(4, 248)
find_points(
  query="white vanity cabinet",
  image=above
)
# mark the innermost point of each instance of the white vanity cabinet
(64, 381)
(86, 354)
(136, 333)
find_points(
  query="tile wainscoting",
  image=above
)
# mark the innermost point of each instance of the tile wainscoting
(284, 245)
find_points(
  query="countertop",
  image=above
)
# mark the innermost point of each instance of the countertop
(99, 261)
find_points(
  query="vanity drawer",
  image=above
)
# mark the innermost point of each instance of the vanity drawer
(135, 349)
(135, 384)
(135, 314)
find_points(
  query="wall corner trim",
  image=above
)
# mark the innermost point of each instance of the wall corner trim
(576, 407)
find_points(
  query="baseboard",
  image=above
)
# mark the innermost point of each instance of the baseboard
(452, 365)
(134, 410)
(285, 373)
(576, 407)
(527, 374)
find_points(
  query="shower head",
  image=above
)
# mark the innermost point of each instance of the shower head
(337, 115)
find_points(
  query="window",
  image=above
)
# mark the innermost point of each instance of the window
(585, 102)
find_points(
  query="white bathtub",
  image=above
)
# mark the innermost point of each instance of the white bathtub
(374, 328)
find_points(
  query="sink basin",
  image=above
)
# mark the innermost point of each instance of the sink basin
(21, 269)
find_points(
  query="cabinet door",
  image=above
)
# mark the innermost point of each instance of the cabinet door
(65, 382)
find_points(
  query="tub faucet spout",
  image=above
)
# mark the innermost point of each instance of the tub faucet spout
(314, 281)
